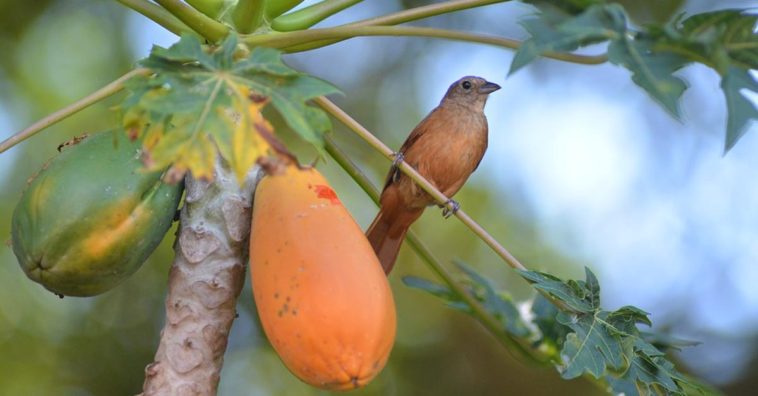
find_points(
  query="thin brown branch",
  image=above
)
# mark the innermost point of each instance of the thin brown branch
(100, 94)
(440, 198)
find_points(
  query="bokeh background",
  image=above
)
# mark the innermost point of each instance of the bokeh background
(583, 169)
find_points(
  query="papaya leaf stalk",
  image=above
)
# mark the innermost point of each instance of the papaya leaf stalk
(199, 22)
(248, 15)
(157, 15)
(311, 15)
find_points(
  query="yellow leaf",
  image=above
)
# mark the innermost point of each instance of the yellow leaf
(198, 156)
(246, 143)
(152, 135)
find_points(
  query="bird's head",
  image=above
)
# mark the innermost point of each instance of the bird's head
(470, 91)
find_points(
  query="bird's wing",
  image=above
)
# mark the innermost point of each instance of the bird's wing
(418, 131)
(484, 147)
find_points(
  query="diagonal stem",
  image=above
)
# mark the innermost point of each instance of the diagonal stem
(491, 323)
(440, 198)
(430, 189)
(63, 113)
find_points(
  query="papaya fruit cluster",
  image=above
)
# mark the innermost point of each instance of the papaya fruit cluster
(92, 216)
(322, 296)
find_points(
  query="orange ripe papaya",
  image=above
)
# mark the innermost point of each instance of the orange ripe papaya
(322, 296)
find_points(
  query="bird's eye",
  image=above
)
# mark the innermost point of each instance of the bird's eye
(466, 85)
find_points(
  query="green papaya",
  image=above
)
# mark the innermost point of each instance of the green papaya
(91, 216)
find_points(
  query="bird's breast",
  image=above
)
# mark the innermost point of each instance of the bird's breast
(449, 153)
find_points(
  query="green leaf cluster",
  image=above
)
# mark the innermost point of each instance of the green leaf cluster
(201, 100)
(566, 323)
(723, 40)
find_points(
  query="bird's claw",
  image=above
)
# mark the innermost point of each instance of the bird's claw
(450, 208)
(398, 157)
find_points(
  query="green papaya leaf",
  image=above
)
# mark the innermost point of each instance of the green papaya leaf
(741, 111)
(651, 70)
(201, 100)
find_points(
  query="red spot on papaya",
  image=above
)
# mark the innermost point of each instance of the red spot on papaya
(325, 192)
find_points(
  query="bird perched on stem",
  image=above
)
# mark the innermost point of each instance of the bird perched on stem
(445, 148)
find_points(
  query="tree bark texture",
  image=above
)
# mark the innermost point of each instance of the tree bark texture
(205, 280)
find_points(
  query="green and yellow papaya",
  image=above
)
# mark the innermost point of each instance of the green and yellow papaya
(91, 216)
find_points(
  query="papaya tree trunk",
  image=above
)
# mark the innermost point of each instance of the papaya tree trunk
(205, 280)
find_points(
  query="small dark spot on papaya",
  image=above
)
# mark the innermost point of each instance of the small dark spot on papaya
(280, 313)
(354, 381)
(294, 312)
(288, 299)
(278, 250)
(276, 295)
(257, 98)
(375, 365)
(285, 308)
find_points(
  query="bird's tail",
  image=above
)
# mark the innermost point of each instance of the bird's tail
(387, 232)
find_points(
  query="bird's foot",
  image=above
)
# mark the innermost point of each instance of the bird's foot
(398, 157)
(450, 208)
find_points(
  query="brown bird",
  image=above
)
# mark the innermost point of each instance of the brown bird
(445, 148)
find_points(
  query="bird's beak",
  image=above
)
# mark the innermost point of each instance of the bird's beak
(488, 88)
